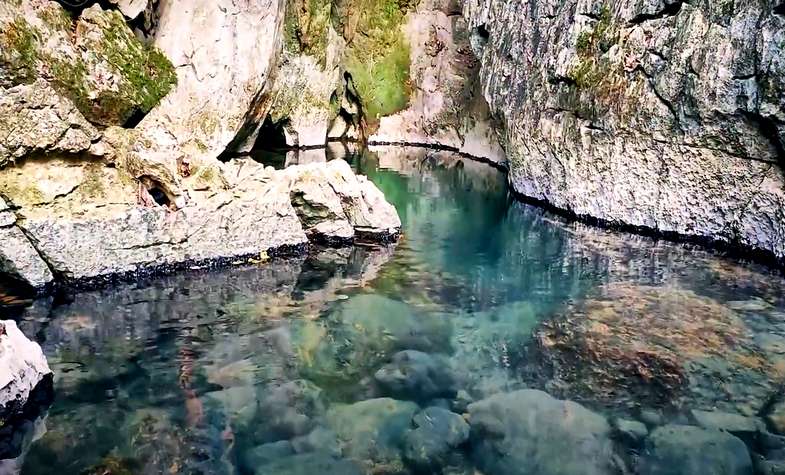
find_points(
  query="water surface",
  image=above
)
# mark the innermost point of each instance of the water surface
(283, 367)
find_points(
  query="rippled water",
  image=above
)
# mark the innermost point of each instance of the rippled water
(295, 366)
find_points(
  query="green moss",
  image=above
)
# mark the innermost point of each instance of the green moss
(306, 27)
(93, 183)
(69, 78)
(378, 59)
(148, 73)
(20, 40)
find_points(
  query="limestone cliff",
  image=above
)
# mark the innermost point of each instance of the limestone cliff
(662, 114)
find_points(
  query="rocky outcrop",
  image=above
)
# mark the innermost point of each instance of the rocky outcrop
(224, 53)
(89, 221)
(662, 115)
(22, 369)
(18, 258)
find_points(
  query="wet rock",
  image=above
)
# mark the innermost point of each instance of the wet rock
(319, 439)
(266, 454)
(746, 428)
(598, 120)
(23, 371)
(630, 432)
(676, 449)
(309, 464)
(776, 418)
(290, 410)
(372, 431)
(438, 432)
(18, 257)
(416, 376)
(34, 118)
(528, 431)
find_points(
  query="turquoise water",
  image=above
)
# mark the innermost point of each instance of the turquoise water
(327, 363)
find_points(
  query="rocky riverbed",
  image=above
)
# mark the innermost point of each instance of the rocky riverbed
(559, 349)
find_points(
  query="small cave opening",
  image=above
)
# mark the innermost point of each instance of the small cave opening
(779, 9)
(272, 136)
(151, 193)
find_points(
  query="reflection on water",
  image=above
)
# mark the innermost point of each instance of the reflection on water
(327, 363)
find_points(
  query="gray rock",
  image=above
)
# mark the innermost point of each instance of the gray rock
(631, 432)
(22, 367)
(416, 376)
(130, 8)
(18, 257)
(266, 454)
(738, 425)
(528, 431)
(676, 449)
(290, 410)
(319, 439)
(776, 418)
(665, 115)
(309, 464)
(438, 432)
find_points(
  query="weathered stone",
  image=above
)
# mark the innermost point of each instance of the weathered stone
(630, 432)
(64, 203)
(674, 450)
(736, 424)
(130, 8)
(528, 431)
(22, 368)
(34, 118)
(776, 417)
(664, 115)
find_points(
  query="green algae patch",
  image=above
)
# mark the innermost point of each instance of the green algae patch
(378, 57)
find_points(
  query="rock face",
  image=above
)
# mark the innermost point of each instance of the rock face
(667, 115)
(22, 368)
(18, 257)
(224, 53)
(528, 431)
(446, 106)
(89, 220)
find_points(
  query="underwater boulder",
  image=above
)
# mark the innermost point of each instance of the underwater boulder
(684, 450)
(438, 432)
(528, 431)
(416, 376)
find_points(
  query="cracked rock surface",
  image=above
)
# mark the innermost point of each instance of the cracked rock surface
(666, 115)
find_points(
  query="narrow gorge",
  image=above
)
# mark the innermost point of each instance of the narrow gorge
(392, 237)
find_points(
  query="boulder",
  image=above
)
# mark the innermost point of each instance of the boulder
(630, 432)
(291, 409)
(666, 115)
(372, 431)
(416, 376)
(676, 449)
(528, 431)
(743, 427)
(23, 371)
(437, 433)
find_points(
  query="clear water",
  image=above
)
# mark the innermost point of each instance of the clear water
(257, 369)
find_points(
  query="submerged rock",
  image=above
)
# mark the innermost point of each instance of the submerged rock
(675, 450)
(372, 431)
(309, 464)
(635, 345)
(437, 433)
(528, 431)
(417, 376)
(23, 370)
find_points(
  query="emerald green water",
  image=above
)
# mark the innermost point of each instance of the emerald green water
(259, 369)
